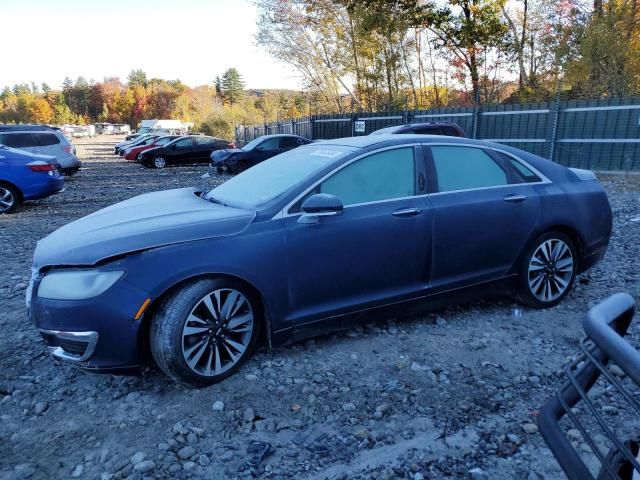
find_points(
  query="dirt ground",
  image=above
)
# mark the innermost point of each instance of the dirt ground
(447, 395)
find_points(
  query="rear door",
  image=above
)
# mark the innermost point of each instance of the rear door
(483, 214)
(204, 146)
(49, 144)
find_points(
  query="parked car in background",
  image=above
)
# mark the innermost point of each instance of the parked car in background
(121, 129)
(129, 143)
(25, 176)
(44, 142)
(186, 149)
(431, 128)
(108, 130)
(132, 153)
(146, 140)
(305, 242)
(236, 160)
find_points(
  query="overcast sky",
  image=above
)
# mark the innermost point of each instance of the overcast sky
(193, 40)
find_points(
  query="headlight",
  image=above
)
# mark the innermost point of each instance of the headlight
(77, 284)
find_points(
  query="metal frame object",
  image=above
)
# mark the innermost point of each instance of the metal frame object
(605, 326)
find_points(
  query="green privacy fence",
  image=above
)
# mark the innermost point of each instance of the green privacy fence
(594, 134)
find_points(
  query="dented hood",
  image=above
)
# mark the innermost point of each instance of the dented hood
(143, 222)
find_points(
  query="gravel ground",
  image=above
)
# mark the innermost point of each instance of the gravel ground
(446, 395)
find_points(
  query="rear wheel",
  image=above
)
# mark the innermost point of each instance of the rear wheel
(241, 166)
(548, 270)
(9, 198)
(205, 331)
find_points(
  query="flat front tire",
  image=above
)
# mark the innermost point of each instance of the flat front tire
(205, 331)
(548, 270)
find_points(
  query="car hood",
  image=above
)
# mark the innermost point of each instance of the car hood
(220, 155)
(140, 223)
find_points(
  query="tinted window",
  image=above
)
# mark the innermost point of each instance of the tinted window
(204, 140)
(163, 141)
(46, 139)
(271, 144)
(526, 174)
(380, 176)
(183, 143)
(288, 142)
(20, 140)
(462, 168)
(428, 131)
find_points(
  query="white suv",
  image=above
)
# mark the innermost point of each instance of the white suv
(44, 142)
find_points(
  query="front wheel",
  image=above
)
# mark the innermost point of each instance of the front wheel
(548, 270)
(159, 162)
(9, 199)
(205, 331)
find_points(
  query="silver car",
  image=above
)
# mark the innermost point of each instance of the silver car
(44, 142)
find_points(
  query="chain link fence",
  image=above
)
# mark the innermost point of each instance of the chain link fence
(599, 135)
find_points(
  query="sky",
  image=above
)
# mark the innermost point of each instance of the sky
(192, 40)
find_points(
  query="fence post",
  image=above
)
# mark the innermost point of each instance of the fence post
(311, 129)
(554, 124)
(476, 115)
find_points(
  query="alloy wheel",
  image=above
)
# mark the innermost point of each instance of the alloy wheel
(159, 162)
(217, 332)
(7, 199)
(550, 270)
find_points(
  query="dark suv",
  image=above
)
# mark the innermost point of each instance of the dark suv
(431, 128)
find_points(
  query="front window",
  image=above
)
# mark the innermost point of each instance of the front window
(271, 144)
(381, 176)
(253, 143)
(163, 141)
(274, 177)
(183, 143)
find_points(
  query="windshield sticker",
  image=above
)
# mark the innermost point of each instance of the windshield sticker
(325, 153)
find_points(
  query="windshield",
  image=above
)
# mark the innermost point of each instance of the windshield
(252, 144)
(272, 178)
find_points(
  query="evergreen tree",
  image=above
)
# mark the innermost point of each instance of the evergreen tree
(232, 86)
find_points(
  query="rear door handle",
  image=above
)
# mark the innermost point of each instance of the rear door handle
(515, 198)
(407, 212)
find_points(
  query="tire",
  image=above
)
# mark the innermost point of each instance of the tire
(159, 162)
(190, 345)
(548, 270)
(9, 198)
(240, 167)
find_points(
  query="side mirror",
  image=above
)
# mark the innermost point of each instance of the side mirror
(320, 205)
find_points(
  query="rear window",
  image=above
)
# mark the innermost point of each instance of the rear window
(46, 139)
(18, 140)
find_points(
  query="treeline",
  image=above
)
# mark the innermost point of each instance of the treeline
(394, 54)
(213, 109)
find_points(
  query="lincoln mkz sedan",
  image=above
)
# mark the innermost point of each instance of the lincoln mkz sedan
(306, 242)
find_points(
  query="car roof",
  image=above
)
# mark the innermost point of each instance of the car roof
(274, 135)
(27, 128)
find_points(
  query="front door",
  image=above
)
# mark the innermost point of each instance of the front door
(376, 252)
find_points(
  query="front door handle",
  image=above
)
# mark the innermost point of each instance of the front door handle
(407, 212)
(515, 198)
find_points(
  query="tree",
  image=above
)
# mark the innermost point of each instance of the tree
(217, 83)
(137, 78)
(39, 111)
(468, 29)
(232, 86)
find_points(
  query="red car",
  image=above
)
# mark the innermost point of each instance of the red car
(132, 153)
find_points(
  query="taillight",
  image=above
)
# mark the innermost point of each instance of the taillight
(231, 145)
(40, 166)
(67, 148)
